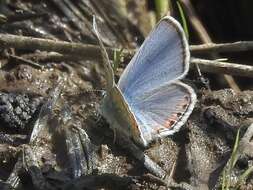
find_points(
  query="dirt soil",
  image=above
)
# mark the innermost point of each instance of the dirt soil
(195, 155)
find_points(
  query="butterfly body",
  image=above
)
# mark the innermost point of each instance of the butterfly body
(123, 118)
(150, 101)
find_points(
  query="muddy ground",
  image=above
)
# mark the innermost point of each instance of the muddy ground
(64, 97)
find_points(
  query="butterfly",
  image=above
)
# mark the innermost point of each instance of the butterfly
(150, 102)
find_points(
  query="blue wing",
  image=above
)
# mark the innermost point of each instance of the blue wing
(163, 111)
(160, 103)
(162, 58)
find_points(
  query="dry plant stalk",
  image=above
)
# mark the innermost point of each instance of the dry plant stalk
(223, 47)
(62, 51)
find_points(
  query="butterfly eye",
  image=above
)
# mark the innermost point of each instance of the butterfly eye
(172, 122)
(103, 93)
(184, 106)
(179, 114)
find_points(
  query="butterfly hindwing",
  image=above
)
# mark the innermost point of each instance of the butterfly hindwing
(163, 111)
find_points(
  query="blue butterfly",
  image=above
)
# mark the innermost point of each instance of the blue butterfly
(150, 101)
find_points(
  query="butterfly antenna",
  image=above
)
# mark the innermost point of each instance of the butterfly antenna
(202, 79)
(107, 65)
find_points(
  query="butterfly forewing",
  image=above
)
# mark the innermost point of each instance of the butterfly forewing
(162, 58)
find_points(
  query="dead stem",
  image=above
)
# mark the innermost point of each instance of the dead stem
(224, 47)
(26, 61)
(66, 50)
(206, 66)
(213, 66)
(77, 49)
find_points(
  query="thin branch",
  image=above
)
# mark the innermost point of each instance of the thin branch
(213, 66)
(74, 49)
(207, 66)
(224, 47)
(203, 48)
(77, 51)
(26, 61)
(92, 51)
(44, 56)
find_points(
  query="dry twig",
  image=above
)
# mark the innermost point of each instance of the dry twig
(224, 47)
(76, 51)
(213, 66)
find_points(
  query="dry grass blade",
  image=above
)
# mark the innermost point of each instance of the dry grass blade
(213, 66)
(223, 47)
(66, 50)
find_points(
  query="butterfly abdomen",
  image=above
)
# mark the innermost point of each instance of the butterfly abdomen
(122, 119)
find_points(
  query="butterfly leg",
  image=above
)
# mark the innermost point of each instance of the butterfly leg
(138, 154)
